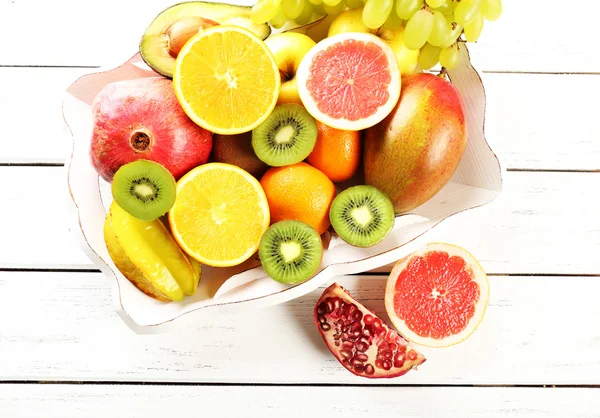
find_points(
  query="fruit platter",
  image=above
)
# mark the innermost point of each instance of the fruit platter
(247, 155)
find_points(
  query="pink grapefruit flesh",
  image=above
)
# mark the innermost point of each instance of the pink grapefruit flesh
(437, 296)
(350, 81)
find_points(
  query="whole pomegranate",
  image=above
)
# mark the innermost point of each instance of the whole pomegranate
(142, 119)
(361, 341)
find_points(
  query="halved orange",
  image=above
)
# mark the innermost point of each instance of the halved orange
(219, 215)
(226, 80)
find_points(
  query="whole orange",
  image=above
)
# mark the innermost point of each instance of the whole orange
(299, 192)
(336, 153)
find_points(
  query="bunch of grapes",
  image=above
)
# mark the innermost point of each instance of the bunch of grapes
(432, 26)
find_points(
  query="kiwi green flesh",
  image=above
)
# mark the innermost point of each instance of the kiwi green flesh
(154, 44)
(290, 251)
(286, 137)
(362, 215)
(144, 189)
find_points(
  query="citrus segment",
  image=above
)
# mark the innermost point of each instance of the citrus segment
(437, 296)
(226, 80)
(350, 81)
(219, 215)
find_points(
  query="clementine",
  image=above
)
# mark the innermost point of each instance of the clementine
(336, 153)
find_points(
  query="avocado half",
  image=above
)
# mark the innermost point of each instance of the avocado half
(154, 46)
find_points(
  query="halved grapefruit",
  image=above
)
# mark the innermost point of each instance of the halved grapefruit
(349, 81)
(437, 295)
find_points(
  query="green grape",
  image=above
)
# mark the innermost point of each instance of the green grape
(440, 31)
(474, 27)
(331, 2)
(315, 2)
(393, 21)
(354, 4)
(292, 8)
(279, 20)
(306, 14)
(319, 9)
(491, 9)
(405, 9)
(434, 3)
(455, 31)
(465, 10)
(446, 8)
(449, 57)
(429, 56)
(418, 29)
(376, 12)
(334, 10)
(264, 10)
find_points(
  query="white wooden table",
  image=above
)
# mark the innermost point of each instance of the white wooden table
(65, 353)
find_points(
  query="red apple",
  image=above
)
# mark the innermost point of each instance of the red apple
(142, 119)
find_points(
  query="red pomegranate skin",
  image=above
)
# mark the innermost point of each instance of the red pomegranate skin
(142, 119)
(364, 344)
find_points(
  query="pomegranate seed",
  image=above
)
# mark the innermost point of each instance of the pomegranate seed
(347, 345)
(361, 346)
(393, 347)
(387, 365)
(361, 357)
(368, 319)
(357, 316)
(399, 357)
(359, 367)
(377, 326)
(398, 364)
(321, 309)
(322, 319)
(329, 305)
(325, 327)
(355, 362)
(336, 303)
(378, 364)
(387, 354)
(412, 355)
(366, 332)
(369, 369)
(401, 342)
(345, 354)
(344, 337)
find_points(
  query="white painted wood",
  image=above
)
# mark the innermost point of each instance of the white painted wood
(541, 223)
(58, 326)
(75, 401)
(523, 125)
(526, 38)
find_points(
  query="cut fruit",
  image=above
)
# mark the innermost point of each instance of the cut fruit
(350, 81)
(147, 255)
(362, 215)
(437, 296)
(219, 215)
(286, 137)
(174, 26)
(226, 80)
(145, 189)
(290, 252)
(361, 341)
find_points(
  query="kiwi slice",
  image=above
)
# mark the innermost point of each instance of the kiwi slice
(286, 137)
(362, 215)
(145, 189)
(290, 251)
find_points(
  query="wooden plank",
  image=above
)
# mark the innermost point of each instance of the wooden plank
(101, 33)
(66, 401)
(526, 128)
(530, 228)
(57, 326)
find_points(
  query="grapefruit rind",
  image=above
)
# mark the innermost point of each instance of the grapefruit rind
(189, 108)
(303, 74)
(264, 206)
(479, 276)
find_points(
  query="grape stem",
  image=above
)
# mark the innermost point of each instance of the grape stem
(443, 73)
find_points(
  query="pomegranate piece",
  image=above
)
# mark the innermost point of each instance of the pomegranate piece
(361, 341)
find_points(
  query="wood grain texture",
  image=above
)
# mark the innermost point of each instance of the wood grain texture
(541, 223)
(57, 326)
(86, 33)
(70, 401)
(526, 128)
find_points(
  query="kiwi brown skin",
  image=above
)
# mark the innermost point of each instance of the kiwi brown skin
(237, 150)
